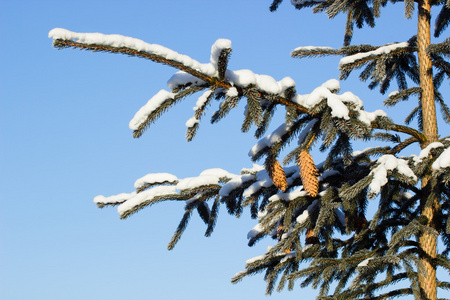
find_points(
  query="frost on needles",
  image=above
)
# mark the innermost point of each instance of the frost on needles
(315, 213)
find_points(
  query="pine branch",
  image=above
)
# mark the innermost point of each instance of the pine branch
(275, 4)
(440, 48)
(442, 21)
(181, 227)
(213, 216)
(402, 145)
(312, 51)
(392, 294)
(61, 44)
(403, 129)
(223, 63)
(352, 62)
(402, 95)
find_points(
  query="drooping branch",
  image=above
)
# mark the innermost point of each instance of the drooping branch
(403, 129)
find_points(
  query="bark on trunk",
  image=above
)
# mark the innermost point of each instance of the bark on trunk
(427, 274)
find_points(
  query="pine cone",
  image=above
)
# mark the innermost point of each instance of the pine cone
(308, 173)
(276, 173)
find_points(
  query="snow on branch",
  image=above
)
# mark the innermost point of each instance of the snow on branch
(144, 198)
(154, 179)
(153, 105)
(264, 83)
(267, 142)
(363, 57)
(194, 77)
(155, 187)
(385, 165)
(234, 184)
(119, 41)
(443, 160)
(103, 201)
(307, 212)
(197, 182)
(323, 102)
(425, 152)
(339, 104)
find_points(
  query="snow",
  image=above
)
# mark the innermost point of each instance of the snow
(299, 192)
(365, 262)
(307, 247)
(181, 78)
(202, 99)
(262, 180)
(358, 152)
(252, 260)
(265, 83)
(394, 93)
(144, 196)
(349, 97)
(197, 197)
(218, 172)
(192, 121)
(200, 102)
(195, 182)
(443, 160)
(291, 170)
(255, 231)
(153, 104)
(234, 183)
(263, 177)
(242, 78)
(255, 168)
(336, 102)
(338, 108)
(232, 92)
(407, 195)
(286, 82)
(154, 178)
(254, 188)
(426, 152)
(388, 163)
(369, 117)
(382, 50)
(293, 177)
(287, 256)
(114, 199)
(306, 213)
(268, 84)
(269, 140)
(331, 85)
(217, 48)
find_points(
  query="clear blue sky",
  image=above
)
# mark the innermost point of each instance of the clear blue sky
(65, 139)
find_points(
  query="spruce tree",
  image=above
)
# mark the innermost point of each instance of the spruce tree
(317, 213)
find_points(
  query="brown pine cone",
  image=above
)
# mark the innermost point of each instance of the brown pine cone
(308, 173)
(276, 173)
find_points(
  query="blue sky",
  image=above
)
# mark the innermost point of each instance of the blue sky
(64, 139)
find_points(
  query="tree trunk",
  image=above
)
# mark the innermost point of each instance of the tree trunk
(427, 241)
